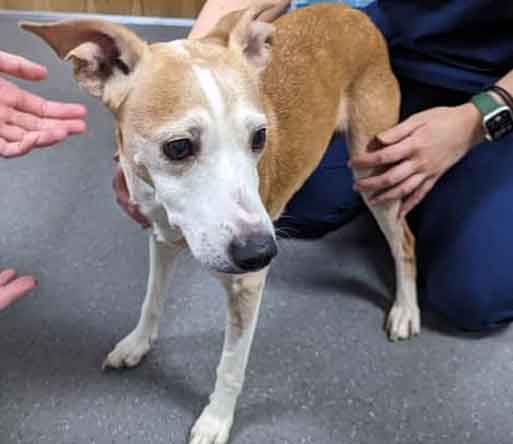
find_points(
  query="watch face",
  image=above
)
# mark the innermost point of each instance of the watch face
(500, 124)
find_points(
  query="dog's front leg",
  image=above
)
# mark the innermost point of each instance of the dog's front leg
(130, 350)
(244, 294)
(403, 320)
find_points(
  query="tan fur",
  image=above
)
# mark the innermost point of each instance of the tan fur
(334, 77)
(409, 256)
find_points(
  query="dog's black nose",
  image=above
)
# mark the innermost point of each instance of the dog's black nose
(253, 253)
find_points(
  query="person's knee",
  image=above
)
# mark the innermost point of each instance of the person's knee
(471, 306)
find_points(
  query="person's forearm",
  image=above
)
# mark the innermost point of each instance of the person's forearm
(470, 113)
(213, 10)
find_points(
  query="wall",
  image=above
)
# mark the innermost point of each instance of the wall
(161, 8)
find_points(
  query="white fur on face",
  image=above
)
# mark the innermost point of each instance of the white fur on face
(213, 198)
(211, 91)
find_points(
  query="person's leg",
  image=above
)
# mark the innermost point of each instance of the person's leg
(464, 230)
(327, 199)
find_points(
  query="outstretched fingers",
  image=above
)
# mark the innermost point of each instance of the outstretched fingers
(21, 68)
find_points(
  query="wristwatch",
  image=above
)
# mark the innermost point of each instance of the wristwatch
(497, 118)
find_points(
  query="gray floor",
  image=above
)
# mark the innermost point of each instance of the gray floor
(321, 370)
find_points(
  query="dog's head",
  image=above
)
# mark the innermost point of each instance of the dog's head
(191, 117)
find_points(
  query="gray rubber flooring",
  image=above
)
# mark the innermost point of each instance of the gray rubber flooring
(321, 370)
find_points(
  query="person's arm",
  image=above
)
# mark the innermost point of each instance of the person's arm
(419, 150)
(213, 10)
(28, 121)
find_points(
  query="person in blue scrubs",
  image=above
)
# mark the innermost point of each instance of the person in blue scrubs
(443, 52)
(459, 188)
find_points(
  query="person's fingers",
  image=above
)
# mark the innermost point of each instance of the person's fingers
(60, 110)
(30, 122)
(73, 126)
(123, 198)
(399, 191)
(6, 276)
(15, 149)
(401, 131)
(30, 140)
(132, 210)
(390, 178)
(30, 103)
(120, 187)
(15, 290)
(20, 67)
(385, 156)
(273, 13)
(11, 133)
(416, 197)
(17, 98)
(50, 137)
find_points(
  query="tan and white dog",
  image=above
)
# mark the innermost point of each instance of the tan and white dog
(215, 136)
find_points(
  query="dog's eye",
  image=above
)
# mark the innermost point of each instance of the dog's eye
(259, 139)
(177, 150)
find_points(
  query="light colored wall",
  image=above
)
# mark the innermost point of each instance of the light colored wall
(160, 8)
(356, 3)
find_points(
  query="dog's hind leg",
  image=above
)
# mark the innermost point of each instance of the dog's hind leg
(130, 350)
(372, 107)
(244, 294)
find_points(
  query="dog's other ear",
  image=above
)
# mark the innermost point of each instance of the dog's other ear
(245, 31)
(104, 54)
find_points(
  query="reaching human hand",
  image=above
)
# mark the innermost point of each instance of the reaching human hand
(417, 152)
(123, 199)
(13, 287)
(28, 121)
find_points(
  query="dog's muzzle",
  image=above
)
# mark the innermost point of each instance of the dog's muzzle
(253, 253)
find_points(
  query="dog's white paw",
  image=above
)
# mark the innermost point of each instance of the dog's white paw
(403, 322)
(128, 352)
(211, 429)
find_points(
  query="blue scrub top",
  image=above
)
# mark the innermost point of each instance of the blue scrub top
(464, 45)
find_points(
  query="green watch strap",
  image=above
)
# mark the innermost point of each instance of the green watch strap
(485, 103)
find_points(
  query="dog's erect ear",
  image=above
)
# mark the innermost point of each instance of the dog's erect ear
(244, 31)
(104, 54)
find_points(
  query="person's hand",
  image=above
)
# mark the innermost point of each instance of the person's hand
(13, 287)
(123, 198)
(28, 121)
(416, 153)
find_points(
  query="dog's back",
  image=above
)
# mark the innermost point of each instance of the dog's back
(322, 57)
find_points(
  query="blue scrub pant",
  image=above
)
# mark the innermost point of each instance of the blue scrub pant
(464, 227)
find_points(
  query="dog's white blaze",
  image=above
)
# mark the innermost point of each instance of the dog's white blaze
(210, 89)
